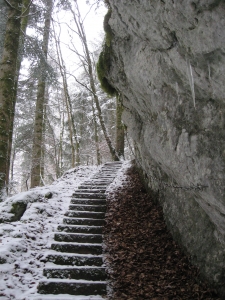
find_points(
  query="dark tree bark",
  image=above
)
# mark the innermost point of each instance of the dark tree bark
(39, 111)
(8, 75)
(23, 27)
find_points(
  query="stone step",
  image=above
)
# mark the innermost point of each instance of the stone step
(108, 171)
(104, 177)
(91, 186)
(69, 259)
(113, 165)
(112, 169)
(81, 229)
(82, 207)
(72, 287)
(81, 248)
(88, 195)
(86, 273)
(84, 221)
(99, 179)
(91, 191)
(105, 173)
(78, 238)
(65, 297)
(97, 182)
(107, 180)
(85, 214)
(88, 201)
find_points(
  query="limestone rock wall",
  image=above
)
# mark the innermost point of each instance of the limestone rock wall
(168, 61)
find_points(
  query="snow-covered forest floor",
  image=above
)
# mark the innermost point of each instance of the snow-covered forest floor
(24, 243)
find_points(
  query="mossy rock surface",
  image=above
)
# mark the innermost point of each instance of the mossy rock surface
(18, 209)
(104, 61)
(2, 260)
(102, 68)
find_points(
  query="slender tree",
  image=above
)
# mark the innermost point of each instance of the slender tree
(39, 111)
(98, 155)
(119, 128)
(89, 69)
(72, 125)
(8, 74)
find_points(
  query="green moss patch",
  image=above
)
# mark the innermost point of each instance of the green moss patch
(18, 209)
(104, 60)
(103, 66)
(107, 28)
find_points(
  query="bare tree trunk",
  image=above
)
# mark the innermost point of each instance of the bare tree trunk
(72, 127)
(82, 36)
(8, 70)
(119, 128)
(39, 111)
(60, 154)
(23, 26)
(98, 155)
(71, 134)
(3, 21)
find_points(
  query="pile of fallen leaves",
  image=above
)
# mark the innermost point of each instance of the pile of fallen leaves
(143, 260)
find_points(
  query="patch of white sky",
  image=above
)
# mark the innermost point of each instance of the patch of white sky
(93, 25)
(92, 17)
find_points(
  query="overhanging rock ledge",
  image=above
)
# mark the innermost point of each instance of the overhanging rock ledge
(167, 59)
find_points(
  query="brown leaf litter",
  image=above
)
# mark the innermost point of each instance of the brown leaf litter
(143, 260)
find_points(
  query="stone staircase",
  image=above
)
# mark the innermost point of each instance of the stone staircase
(74, 266)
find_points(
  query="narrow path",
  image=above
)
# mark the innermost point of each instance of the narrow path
(144, 262)
(75, 266)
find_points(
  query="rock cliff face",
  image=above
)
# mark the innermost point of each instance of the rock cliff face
(167, 59)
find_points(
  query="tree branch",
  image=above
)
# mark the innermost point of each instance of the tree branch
(10, 5)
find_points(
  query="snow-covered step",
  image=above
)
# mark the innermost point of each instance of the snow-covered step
(90, 186)
(78, 238)
(82, 248)
(75, 266)
(104, 174)
(71, 259)
(80, 229)
(65, 297)
(105, 177)
(84, 221)
(86, 273)
(92, 191)
(88, 201)
(85, 207)
(72, 287)
(89, 195)
(85, 214)
(113, 163)
(97, 182)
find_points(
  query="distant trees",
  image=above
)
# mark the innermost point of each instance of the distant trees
(62, 119)
(88, 67)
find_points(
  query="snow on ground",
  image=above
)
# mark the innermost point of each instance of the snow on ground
(120, 177)
(23, 243)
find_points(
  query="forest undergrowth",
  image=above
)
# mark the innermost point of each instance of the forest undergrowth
(143, 260)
